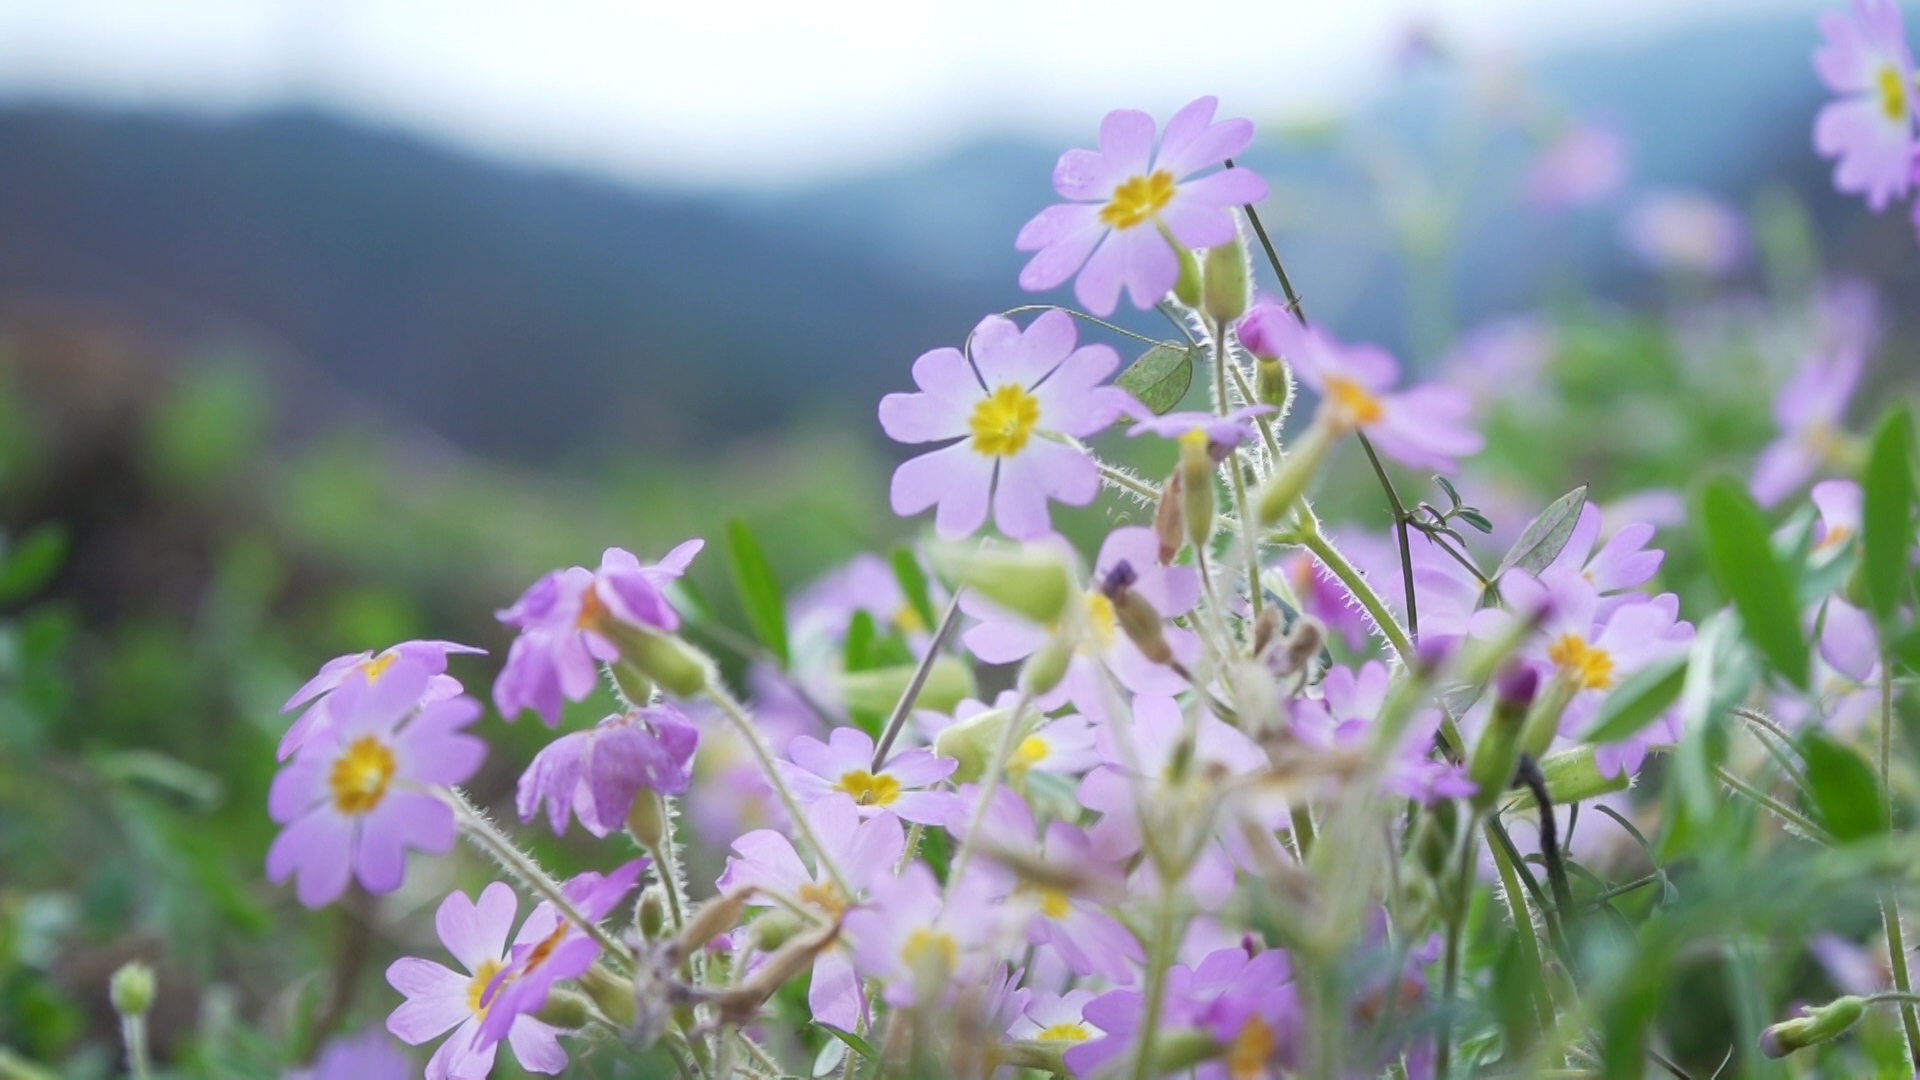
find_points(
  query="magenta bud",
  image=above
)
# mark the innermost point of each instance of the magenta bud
(1430, 654)
(1516, 685)
(1265, 330)
(1119, 580)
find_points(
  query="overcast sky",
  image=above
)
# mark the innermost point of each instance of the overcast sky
(766, 93)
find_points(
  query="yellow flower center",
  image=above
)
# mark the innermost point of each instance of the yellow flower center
(1836, 536)
(1251, 1048)
(1137, 199)
(908, 621)
(477, 987)
(926, 947)
(1055, 904)
(361, 775)
(1100, 620)
(1590, 668)
(1003, 422)
(825, 896)
(1356, 404)
(1064, 1033)
(378, 666)
(1031, 751)
(1893, 94)
(868, 789)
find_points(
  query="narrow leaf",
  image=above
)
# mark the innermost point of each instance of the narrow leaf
(857, 654)
(1476, 519)
(1544, 538)
(1887, 518)
(913, 582)
(1639, 700)
(759, 591)
(856, 1042)
(32, 561)
(1745, 570)
(1446, 485)
(1842, 786)
(1160, 378)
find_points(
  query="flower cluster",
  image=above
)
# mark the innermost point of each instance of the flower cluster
(1869, 129)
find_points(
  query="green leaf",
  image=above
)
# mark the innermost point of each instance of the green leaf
(855, 1042)
(1543, 539)
(759, 591)
(1745, 570)
(1638, 700)
(1160, 378)
(1886, 526)
(1446, 485)
(857, 654)
(913, 582)
(32, 561)
(1843, 787)
(1476, 519)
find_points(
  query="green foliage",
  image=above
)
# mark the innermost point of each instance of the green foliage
(1887, 516)
(1843, 788)
(1160, 377)
(758, 589)
(1746, 571)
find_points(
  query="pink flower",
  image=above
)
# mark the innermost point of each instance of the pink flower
(595, 774)
(550, 949)
(440, 1000)
(1248, 1003)
(1342, 718)
(1870, 129)
(1685, 231)
(844, 765)
(1056, 1018)
(1848, 641)
(563, 621)
(361, 791)
(864, 850)
(431, 655)
(1222, 433)
(1624, 562)
(369, 1055)
(1424, 427)
(1006, 409)
(1128, 205)
(919, 944)
(1581, 166)
(1809, 410)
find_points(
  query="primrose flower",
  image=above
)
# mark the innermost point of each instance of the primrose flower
(369, 1055)
(1582, 165)
(1685, 231)
(1130, 555)
(1809, 410)
(1869, 130)
(1343, 717)
(1219, 434)
(1058, 1018)
(440, 1000)
(918, 944)
(1062, 745)
(1848, 641)
(1129, 206)
(1624, 562)
(595, 774)
(565, 620)
(1248, 1003)
(550, 948)
(1423, 427)
(1009, 409)
(362, 790)
(844, 764)
(864, 850)
(431, 655)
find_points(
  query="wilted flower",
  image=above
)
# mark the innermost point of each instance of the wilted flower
(1005, 408)
(1809, 409)
(595, 774)
(1866, 61)
(441, 1000)
(1129, 206)
(844, 765)
(565, 620)
(431, 655)
(361, 791)
(550, 948)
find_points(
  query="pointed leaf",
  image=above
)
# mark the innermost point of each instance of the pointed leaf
(1639, 700)
(1843, 787)
(913, 582)
(1160, 378)
(1544, 538)
(857, 653)
(1745, 571)
(1886, 525)
(858, 1043)
(759, 590)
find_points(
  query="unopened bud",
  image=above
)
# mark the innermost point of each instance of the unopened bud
(1439, 824)
(715, 917)
(131, 989)
(566, 1009)
(1276, 498)
(1266, 629)
(1135, 615)
(647, 819)
(1273, 384)
(949, 682)
(650, 914)
(1574, 776)
(1497, 754)
(972, 742)
(1187, 287)
(1046, 667)
(1543, 722)
(677, 667)
(1179, 1051)
(612, 994)
(1030, 580)
(632, 683)
(1224, 291)
(1266, 331)
(1814, 1025)
(1196, 486)
(1170, 518)
(774, 928)
(1304, 642)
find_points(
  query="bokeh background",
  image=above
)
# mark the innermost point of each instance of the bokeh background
(325, 325)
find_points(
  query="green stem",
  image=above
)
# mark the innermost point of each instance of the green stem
(918, 683)
(1528, 934)
(1774, 806)
(1890, 900)
(744, 724)
(989, 784)
(1159, 959)
(1309, 536)
(139, 1060)
(1450, 973)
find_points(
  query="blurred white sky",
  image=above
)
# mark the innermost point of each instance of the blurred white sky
(765, 93)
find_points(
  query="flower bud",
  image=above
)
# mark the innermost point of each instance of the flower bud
(1046, 667)
(567, 1010)
(741, 1004)
(1303, 644)
(1135, 615)
(1028, 580)
(612, 994)
(131, 989)
(650, 914)
(1224, 285)
(647, 819)
(632, 683)
(949, 682)
(715, 917)
(1574, 776)
(1265, 331)
(774, 928)
(1187, 287)
(1170, 518)
(1196, 486)
(1433, 843)
(1497, 754)
(1283, 489)
(1543, 723)
(1273, 384)
(972, 742)
(1266, 629)
(1179, 1051)
(678, 668)
(1815, 1024)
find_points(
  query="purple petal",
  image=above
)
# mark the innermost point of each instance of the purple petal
(957, 478)
(949, 394)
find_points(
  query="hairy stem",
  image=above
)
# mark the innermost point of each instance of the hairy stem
(1159, 959)
(1890, 900)
(771, 769)
(1356, 583)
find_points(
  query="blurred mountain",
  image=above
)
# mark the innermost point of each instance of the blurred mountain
(539, 316)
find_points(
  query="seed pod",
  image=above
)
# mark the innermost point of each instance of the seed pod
(1170, 518)
(612, 994)
(650, 915)
(1135, 615)
(1304, 642)
(1196, 485)
(715, 917)
(566, 1010)
(1266, 629)
(131, 989)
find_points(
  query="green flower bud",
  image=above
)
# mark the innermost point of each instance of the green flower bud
(774, 928)
(1574, 776)
(949, 682)
(1543, 723)
(650, 914)
(1815, 1024)
(678, 668)
(1028, 580)
(632, 683)
(1497, 754)
(1273, 384)
(567, 1010)
(131, 989)
(972, 742)
(1276, 498)
(1187, 287)
(612, 994)
(1179, 1051)
(1224, 291)
(647, 819)
(1196, 487)
(1046, 667)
